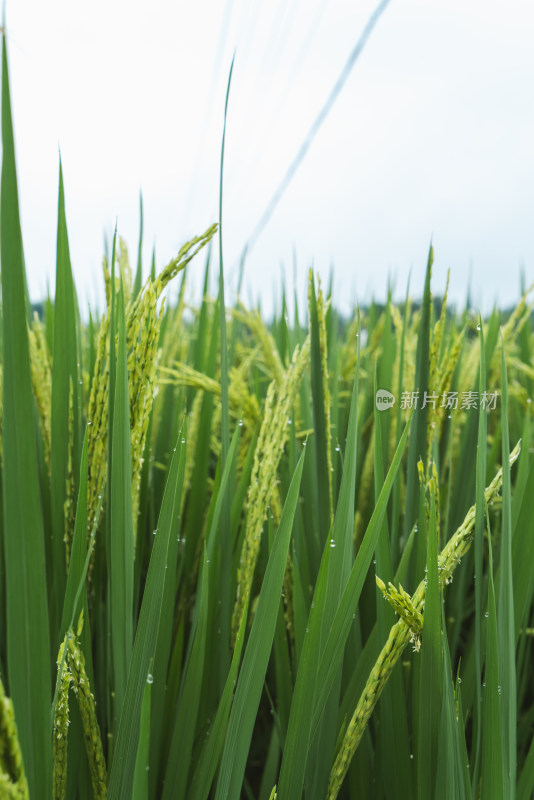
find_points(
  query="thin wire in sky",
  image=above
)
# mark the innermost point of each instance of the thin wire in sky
(315, 127)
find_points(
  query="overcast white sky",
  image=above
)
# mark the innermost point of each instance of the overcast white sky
(432, 137)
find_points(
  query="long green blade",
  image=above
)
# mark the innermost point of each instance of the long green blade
(122, 530)
(213, 747)
(493, 782)
(179, 765)
(334, 648)
(257, 652)
(478, 555)
(430, 689)
(28, 643)
(122, 770)
(64, 382)
(336, 560)
(505, 609)
(418, 440)
(140, 783)
(72, 601)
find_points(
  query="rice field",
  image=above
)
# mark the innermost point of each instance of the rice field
(260, 559)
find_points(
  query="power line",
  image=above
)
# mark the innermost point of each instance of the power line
(316, 125)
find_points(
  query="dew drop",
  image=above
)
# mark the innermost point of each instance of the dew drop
(150, 678)
(183, 441)
(154, 532)
(240, 423)
(478, 326)
(499, 689)
(332, 543)
(486, 614)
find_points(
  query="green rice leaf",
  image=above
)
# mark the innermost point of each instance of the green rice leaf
(333, 650)
(179, 764)
(493, 782)
(140, 783)
(418, 442)
(397, 778)
(27, 620)
(122, 770)
(341, 558)
(73, 602)
(122, 530)
(431, 684)
(215, 736)
(332, 577)
(525, 786)
(257, 652)
(451, 781)
(159, 691)
(523, 552)
(506, 619)
(224, 584)
(478, 557)
(320, 422)
(65, 378)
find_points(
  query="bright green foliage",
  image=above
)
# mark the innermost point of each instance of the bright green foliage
(25, 626)
(251, 577)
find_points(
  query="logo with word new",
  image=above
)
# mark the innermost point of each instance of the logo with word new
(384, 400)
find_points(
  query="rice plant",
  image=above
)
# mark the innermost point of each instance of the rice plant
(251, 559)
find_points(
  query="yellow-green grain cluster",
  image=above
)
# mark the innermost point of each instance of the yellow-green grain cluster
(61, 727)
(271, 441)
(401, 602)
(403, 632)
(41, 368)
(72, 674)
(13, 784)
(144, 316)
